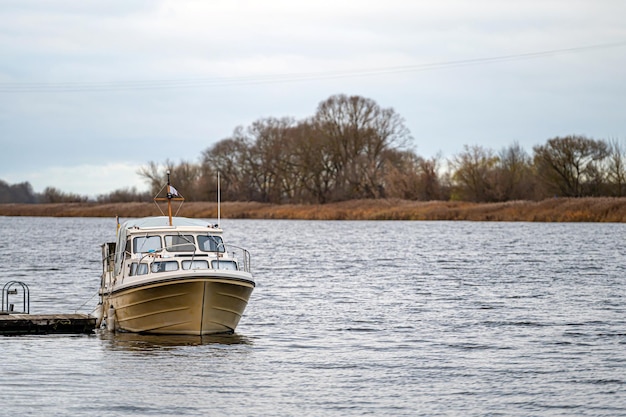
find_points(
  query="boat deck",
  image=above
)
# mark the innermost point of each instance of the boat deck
(14, 324)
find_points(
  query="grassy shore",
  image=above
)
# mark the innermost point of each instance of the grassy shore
(551, 210)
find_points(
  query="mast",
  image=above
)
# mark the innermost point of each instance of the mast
(169, 197)
(171, 194)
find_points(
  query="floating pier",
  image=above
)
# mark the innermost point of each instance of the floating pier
(14, 322)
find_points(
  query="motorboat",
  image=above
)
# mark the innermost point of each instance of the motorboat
(173, 275)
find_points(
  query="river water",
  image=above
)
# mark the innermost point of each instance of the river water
(348, 319)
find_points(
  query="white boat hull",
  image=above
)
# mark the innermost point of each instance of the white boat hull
(185, 305)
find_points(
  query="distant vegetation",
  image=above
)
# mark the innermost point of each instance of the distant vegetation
(23, 193)
(353, 149)
(17, 193)
(586, 209)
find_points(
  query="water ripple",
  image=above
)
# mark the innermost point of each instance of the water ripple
(348, 319)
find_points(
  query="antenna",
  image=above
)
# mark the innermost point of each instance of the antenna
(169, 198)
(219, 202)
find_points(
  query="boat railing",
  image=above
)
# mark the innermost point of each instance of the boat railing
(225, 253)
(108, 265)
(239, 255)
(228, 253)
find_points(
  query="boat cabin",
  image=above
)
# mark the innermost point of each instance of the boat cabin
(146, 247)
(153, 253)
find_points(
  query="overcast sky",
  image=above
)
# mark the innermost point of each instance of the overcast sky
(90, 90)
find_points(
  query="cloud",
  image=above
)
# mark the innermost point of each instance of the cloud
(135, 43)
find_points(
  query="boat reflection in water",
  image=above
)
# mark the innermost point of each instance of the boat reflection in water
(149, 342)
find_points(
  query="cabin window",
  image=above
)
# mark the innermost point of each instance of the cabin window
(133, 269)
(179, 243)
(195, 265)
(145, 244)
(164, 266)
(229, 265)
(211, 243)
(142, 269)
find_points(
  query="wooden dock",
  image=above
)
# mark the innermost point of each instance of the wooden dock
(14, 324)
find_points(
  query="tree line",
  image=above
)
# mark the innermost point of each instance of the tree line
(352, 148)
(22, 193)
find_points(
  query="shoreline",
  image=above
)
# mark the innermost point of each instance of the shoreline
(588, 209)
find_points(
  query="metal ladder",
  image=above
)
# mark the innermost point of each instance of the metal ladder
(11, 288)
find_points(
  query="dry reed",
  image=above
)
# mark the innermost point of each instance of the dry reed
(550, 210)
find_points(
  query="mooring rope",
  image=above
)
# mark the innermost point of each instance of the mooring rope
(83, 304)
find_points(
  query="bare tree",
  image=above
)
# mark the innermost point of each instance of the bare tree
(473, 172)
(412, 177)
(430, 185)
(155, 175)
(54, 195)
(313, 163)
(514, 173)
(358, 132)
(226, 157)
(569, 165)
(616, 167)
(270, 158)
(402, 176)
(124, 195)
(185, 177)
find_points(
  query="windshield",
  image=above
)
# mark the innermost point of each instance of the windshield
(211, 243)
(144, 244)
(179, 243)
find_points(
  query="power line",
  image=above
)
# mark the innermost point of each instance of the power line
(70, 87)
